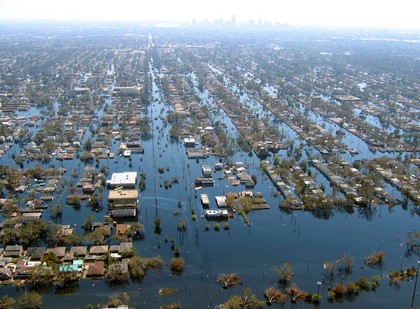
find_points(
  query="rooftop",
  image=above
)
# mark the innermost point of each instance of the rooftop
(123, 194)
(122, 179)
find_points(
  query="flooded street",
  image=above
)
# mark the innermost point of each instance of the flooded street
(308, 239)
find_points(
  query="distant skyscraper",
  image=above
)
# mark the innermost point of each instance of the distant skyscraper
(233, 20)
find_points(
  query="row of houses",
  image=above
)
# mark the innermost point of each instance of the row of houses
(16, 263)
(62, 253)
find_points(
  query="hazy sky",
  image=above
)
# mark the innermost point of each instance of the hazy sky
(363, 13)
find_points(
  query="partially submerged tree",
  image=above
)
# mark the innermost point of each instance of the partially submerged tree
(136, 229)
(66, 277)
(330, 268)
(376, 258)
(117, 273)
(346, 262)
(413, 242)
(273, 295)
(137, 266)
(246, 300)
(229, 280)
(118, 300)
(41, 275)
(177, 264)
(56, 211)
(88, 222)
(286, 273)
(30, 300)
(295, 293)
(7, 302)
(339, 290)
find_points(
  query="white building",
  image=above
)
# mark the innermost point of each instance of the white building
(124, 180)
(189, 142)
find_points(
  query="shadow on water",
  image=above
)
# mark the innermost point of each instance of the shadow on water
(67, 289)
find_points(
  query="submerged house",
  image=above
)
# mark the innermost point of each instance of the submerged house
(123, 203)
(13, 251)
(189, 142)
(96, 269)
(36, 253)
(125, 180)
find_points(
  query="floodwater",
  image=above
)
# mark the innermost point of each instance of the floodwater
(306, 240)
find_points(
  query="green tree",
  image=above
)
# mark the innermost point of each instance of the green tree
(88, 223)
(66, 277)
(30, 300)
(48, 146)
(157, 223)
(56, 211)
(136, 229)
(96, 236)
(41, 275)
(50, 259)
(246, 300)
(6, 302)
(32, 231)
(88, 145)
(118, 300)
(137, 267)
(117, 273)
(95, 200)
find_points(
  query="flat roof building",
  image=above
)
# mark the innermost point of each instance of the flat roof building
(120, 199)
(124, 180)
(189, 142)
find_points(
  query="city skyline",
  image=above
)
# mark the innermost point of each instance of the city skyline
(323, 13)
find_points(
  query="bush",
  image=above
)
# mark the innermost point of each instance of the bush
(364, 283)
(316, 298)
(30, 300)
(376, 258)
(351, 288)
(177, 264)
(339, 290)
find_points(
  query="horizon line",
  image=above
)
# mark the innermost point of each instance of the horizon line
(216, 22)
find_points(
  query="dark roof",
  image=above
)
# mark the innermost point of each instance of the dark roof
(125, 247)
(98, 250)
(36, 253)
(123, 213)
(80, 250)
(58, 251)
(114, 248)
(120, 266)
(13, 248)
(96, 270)
(5, 273)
